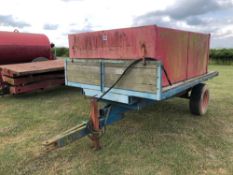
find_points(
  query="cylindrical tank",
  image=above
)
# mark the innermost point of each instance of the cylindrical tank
(16, 47)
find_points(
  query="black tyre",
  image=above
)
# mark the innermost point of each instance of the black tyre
(199, 99)
(38, 59)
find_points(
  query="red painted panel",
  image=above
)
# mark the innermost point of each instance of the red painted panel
(18, 47)
(114, 44)
(172, 51)
(198, 54)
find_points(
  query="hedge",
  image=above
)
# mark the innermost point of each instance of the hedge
(219, 56)
(62, 52)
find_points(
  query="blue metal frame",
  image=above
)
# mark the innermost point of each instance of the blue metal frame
(187, 85)
(111, 113)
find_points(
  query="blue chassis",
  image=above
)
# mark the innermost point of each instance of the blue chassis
(119, 101)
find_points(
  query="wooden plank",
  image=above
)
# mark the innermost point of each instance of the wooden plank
(139, 78)
(15, 70)
(92, 79)
(83, 68)
(32, 78)
(138, 74)
(36, 86)
(84, 72)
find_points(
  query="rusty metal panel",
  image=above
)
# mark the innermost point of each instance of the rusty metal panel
(16, 47)
(184, 54)
(198, 54)
(128, 43)
(172, 49)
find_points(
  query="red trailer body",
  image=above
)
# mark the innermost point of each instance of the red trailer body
(18, 47)
(184, 54)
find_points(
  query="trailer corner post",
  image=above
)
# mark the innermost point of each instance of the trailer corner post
(66, 78)
(102, 76)
(159, 80)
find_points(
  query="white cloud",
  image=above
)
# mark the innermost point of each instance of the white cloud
(68, 16)
(100, 14)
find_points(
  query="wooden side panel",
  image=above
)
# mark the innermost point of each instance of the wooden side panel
(84, 72)
(139, 78)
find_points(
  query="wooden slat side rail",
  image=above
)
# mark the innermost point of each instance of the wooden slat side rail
(139, 78)
(84, 72)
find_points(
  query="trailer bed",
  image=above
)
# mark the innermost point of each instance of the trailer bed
(34, 76)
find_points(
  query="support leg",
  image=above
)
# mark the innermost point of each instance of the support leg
(94, 125)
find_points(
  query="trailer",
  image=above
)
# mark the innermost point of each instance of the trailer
(128, 69)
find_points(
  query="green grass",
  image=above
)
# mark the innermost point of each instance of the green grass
(161, 139)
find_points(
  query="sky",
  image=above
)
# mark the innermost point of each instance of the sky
(58, 18)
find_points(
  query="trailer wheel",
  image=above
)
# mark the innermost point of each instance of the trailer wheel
(40, 59)
(199, 99)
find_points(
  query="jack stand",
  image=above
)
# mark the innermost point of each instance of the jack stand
(94, 125)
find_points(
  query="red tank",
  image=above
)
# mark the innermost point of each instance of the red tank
(16, 47)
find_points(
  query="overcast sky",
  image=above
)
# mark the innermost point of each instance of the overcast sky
(58, 18)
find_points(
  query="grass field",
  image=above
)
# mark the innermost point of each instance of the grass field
(162, 139)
